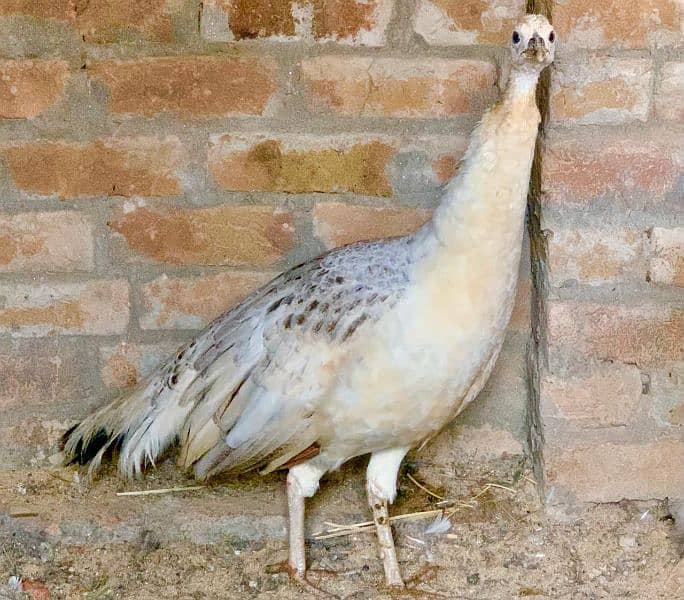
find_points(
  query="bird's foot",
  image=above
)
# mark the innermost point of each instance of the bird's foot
(302, 578)
(424, 574)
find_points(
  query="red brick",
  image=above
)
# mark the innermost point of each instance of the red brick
(29, 87)
(393, 87)
(355, 22)
(645, 335)
(615, 23)
(669, 100)
(222, 235)
(608, 395)
(192, 303)
(191, 86)
(228, 20)
(301, 163)
(583, 166)
(463, 22)
(666, 265)
(53, 241)
(96, 307)
(108, 21)
(610, 472)
(36, 374)
(443, 153)
(337, 224)
(126, 364)
(600, 89)
(110, 167)
(62, 10)
(595, 256)
(352, 22)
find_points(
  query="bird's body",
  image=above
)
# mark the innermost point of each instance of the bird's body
(370, 348)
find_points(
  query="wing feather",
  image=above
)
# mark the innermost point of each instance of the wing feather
(264, 366)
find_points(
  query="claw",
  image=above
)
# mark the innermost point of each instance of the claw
(301, 578)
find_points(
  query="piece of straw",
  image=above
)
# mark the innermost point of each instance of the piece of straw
(161, 491)
(422, 487)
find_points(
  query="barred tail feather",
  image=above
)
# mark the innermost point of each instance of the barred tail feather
(141, 426)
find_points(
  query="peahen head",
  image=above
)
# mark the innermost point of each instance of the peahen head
(533, 43)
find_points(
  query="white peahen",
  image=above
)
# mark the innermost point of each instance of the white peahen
(370, 348)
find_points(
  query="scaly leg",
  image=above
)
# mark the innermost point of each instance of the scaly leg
(295, 504)
(382, 488)
(302, 482)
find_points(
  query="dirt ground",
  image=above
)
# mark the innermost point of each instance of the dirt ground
(64, 539)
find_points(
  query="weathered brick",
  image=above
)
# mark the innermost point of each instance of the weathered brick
(463, 22)
(610, 472)
(422, 164)
(191, 303)
(29, 87)
(442, 153)
(301, 163)
(666, 264)
(62, 10)
(615, 23)
(191, 86)
(337, 224)
(607, 395)
(53, 241)
(669, 100)
(352, 22)
(595, 256)
(600, 89)
(645, 335)
(96, 307)
(117, 20)
(39, 376)
(583, 166)
(666, 389)
(372, 87)
(222, 235)
(355, 22)
(126, 364)
(111, 167)
(228, 20)
(32, 439)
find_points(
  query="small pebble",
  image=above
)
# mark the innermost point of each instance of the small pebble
(473, 578)
(627, 541)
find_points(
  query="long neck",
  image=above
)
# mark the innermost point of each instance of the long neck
(488, 195)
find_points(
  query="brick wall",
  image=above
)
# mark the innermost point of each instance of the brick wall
(160, 159)
(611, 264)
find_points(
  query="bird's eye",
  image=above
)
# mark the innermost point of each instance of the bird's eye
(552, 37)
(516, 37)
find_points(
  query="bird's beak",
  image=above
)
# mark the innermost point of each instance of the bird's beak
(536, 48)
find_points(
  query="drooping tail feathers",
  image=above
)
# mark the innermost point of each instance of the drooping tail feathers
(140, 425)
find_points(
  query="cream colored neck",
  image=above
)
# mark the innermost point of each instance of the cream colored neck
(487, 198)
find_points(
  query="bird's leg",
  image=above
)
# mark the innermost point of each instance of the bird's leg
(302, 482)
(382, 489)
(388, 554)
(295, 504)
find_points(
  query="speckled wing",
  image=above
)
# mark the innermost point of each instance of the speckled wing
(263, 367)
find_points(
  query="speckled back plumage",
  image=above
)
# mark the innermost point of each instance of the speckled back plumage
(243, 393)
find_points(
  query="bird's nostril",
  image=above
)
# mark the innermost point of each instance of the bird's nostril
(535, 42)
